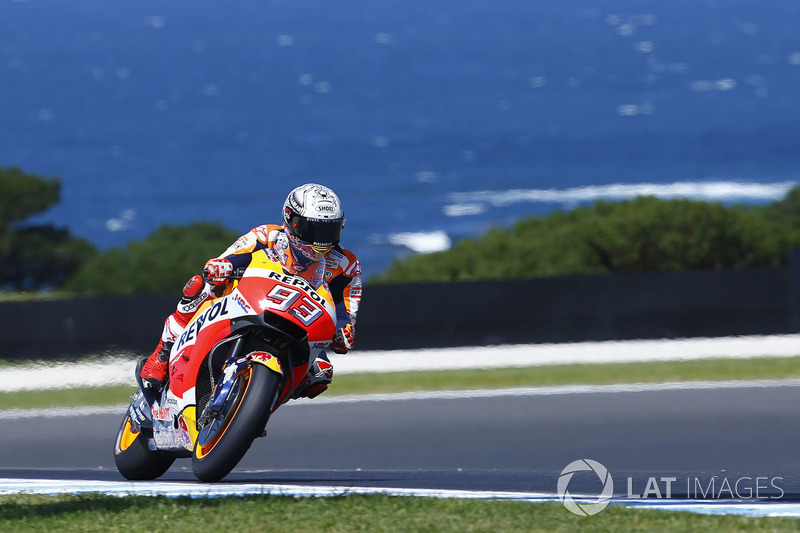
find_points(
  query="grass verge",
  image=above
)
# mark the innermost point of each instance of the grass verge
(374, 514)
(23, 296)
(599, 374)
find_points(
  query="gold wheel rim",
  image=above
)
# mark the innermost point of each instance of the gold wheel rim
(201, 451)
(127, 436)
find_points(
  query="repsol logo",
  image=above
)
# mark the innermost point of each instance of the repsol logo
(217, 310)
(296, 281)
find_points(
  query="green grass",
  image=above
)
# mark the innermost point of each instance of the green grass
(27, 296)
(99, 396)
(658, 372)
(372, 514)
(593, 374)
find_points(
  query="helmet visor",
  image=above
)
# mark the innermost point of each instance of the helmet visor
(316, 231)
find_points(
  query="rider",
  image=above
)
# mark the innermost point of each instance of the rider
(312, 225)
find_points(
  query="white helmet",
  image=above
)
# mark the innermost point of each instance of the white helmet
(313, 214)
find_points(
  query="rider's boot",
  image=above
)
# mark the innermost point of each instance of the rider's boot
(317, 379)
(154, 371)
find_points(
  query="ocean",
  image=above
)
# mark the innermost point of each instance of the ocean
(432, 120)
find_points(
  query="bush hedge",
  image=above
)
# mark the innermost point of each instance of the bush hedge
(641, 235)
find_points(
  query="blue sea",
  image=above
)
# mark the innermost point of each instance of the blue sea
(433, 120)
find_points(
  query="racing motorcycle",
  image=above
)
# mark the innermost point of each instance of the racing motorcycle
(240, 357)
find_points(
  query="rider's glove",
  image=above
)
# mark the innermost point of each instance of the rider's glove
(217, 271)
(343, 339)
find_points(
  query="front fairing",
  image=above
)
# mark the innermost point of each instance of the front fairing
(268, 289)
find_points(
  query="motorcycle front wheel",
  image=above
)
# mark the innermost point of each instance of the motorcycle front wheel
(223, 440)
(134, 458)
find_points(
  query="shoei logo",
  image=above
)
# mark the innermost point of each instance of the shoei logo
(585, 509)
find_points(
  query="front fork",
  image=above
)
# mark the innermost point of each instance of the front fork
(230, 371)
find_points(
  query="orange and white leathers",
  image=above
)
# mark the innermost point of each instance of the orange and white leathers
(342, 274)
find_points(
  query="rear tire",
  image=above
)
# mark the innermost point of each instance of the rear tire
(222, 443)
(134, 459)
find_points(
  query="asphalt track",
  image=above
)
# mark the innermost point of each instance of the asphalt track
(518, 441)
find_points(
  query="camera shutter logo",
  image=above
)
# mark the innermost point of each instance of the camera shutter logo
(585, 509)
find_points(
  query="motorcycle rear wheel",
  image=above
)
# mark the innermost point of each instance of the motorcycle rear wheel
(222, 443)
(133, 457)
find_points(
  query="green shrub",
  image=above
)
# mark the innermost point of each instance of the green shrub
(160, 264)
(34, 257)
(645, 234)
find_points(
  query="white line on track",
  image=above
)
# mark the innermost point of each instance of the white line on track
(524, 355)
(555, 390)
(200, 490)
(12, 414)
(167, 488)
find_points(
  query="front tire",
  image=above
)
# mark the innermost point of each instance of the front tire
(224, 440)
(134, 459)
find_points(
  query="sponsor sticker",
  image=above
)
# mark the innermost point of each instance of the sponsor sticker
(242, 303)
(261, 234)
(216, 312)
(160, 413)
(354, 269)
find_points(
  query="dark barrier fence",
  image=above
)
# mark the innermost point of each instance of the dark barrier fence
(574, 309)
(82, 325)
(570, 309)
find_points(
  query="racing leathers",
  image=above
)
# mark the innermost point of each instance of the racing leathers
(342, 274)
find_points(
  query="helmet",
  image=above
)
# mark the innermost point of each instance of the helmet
(313, 215)
(312, 220)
